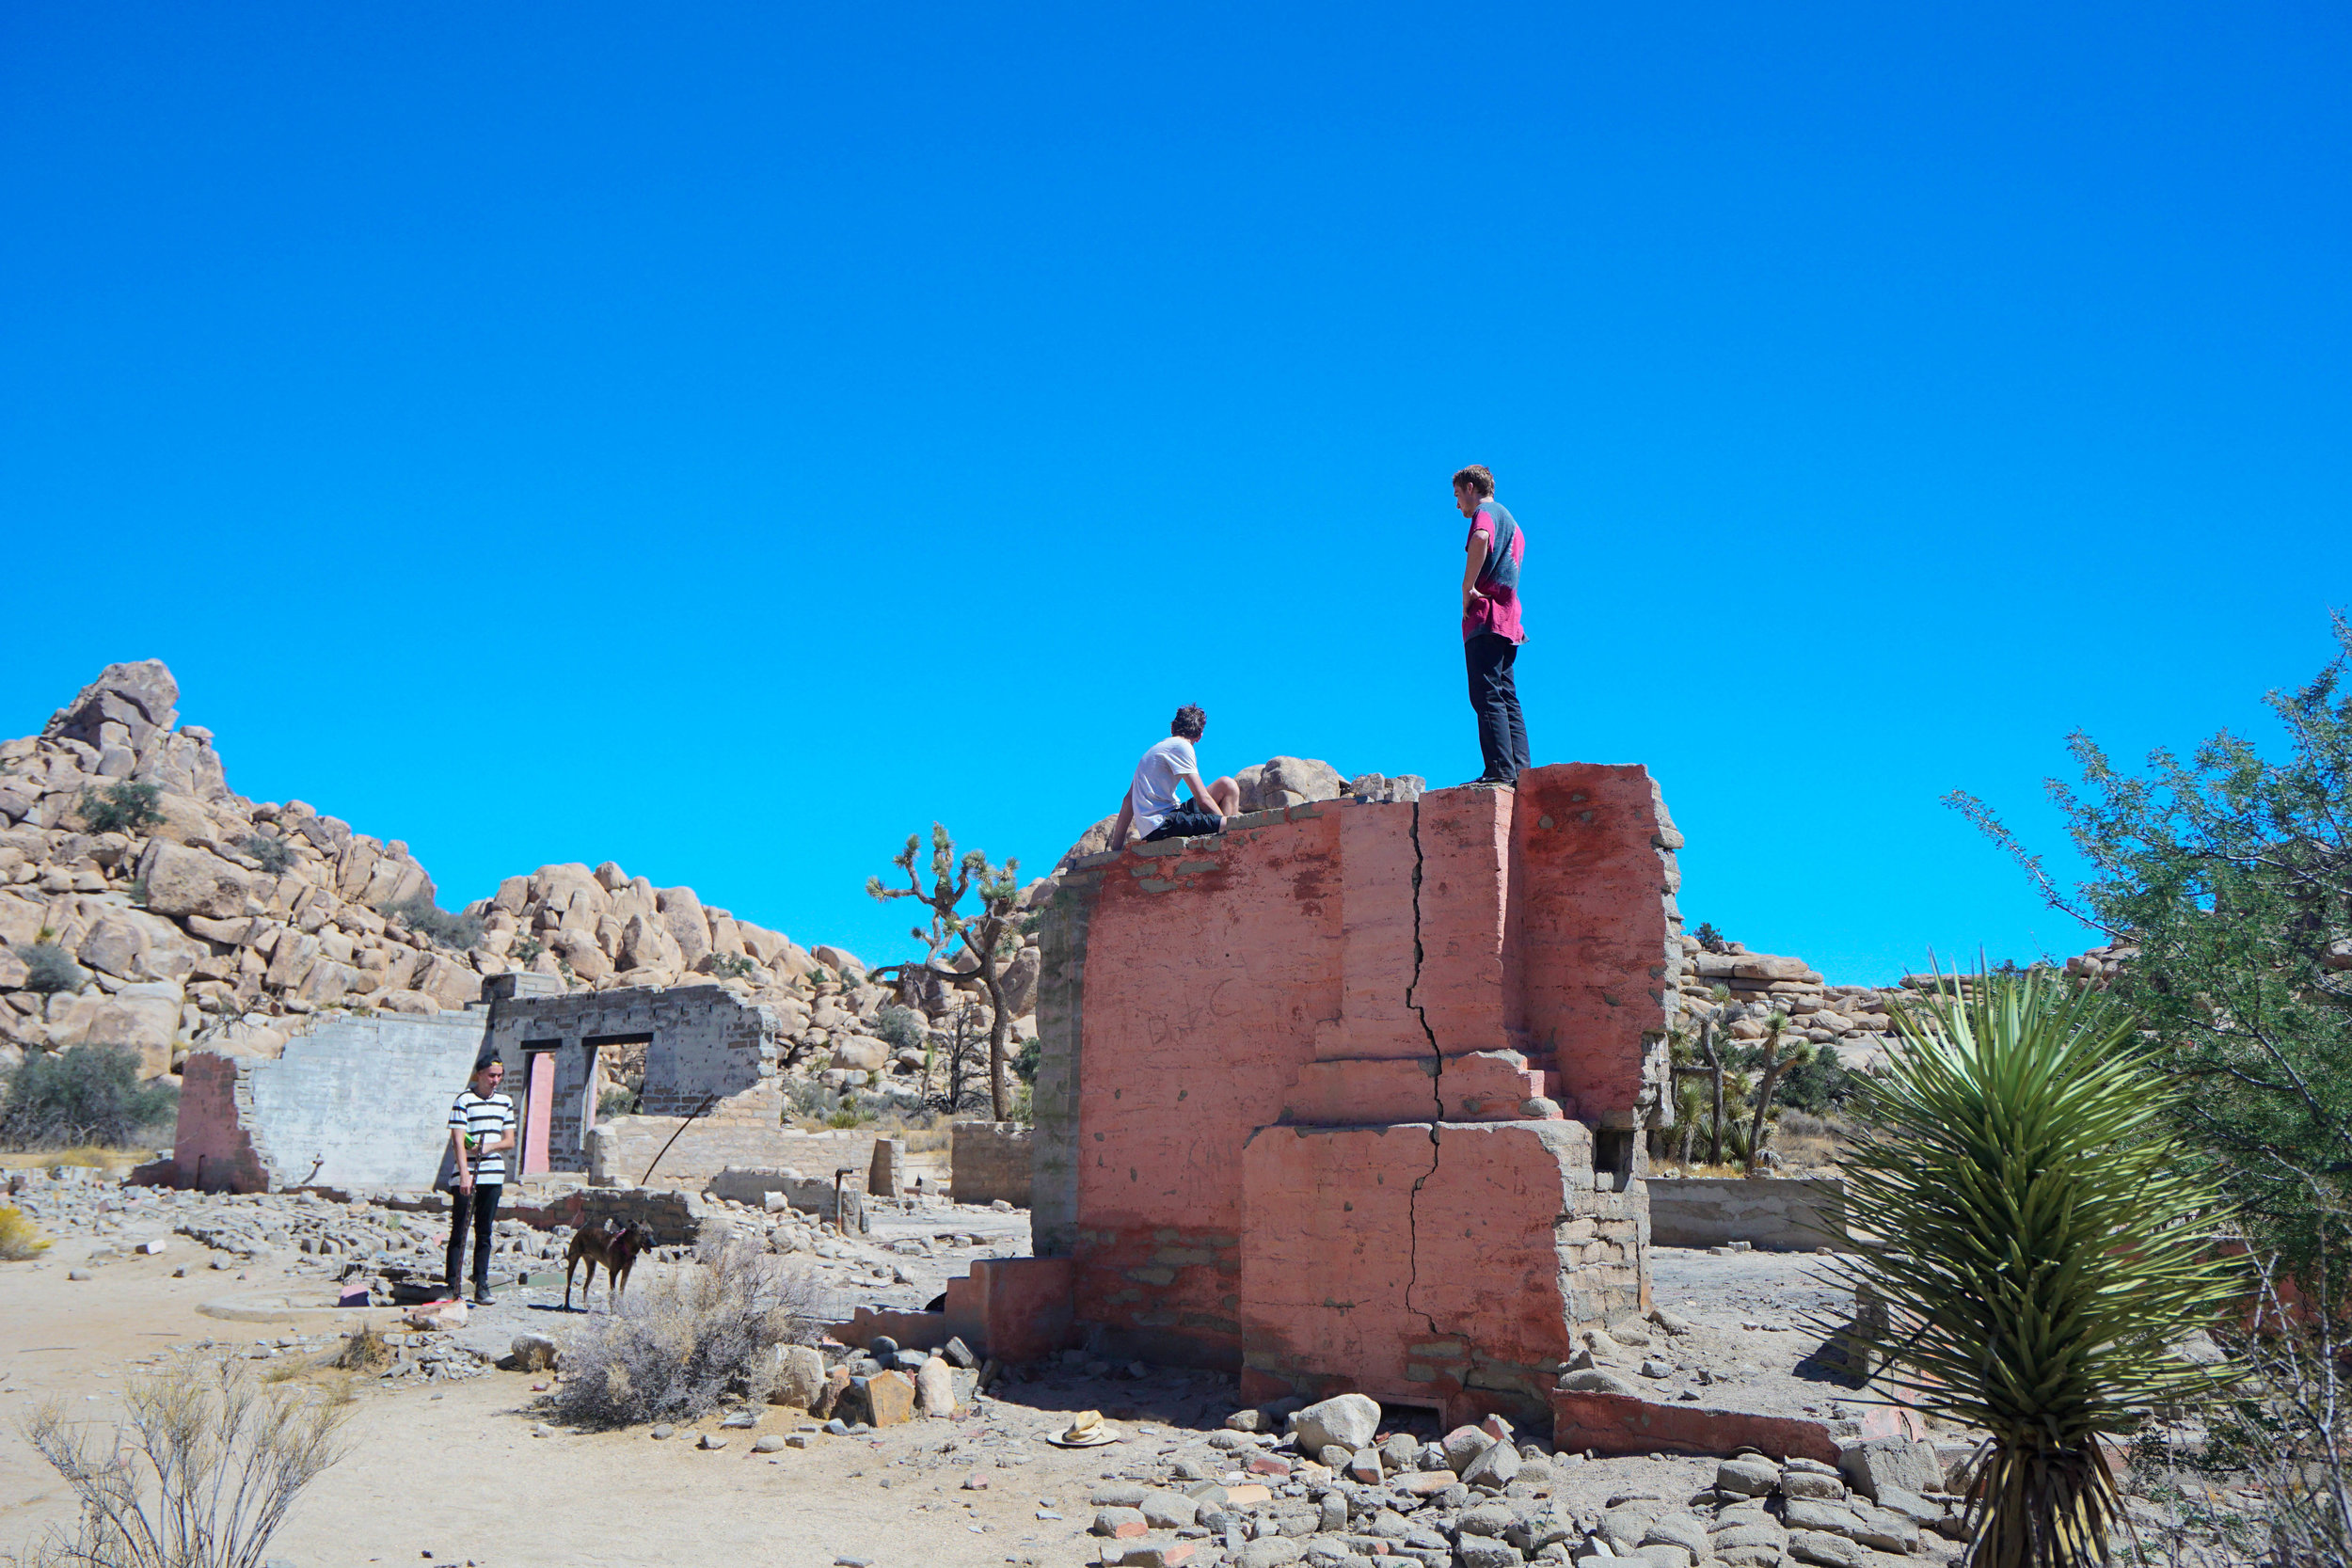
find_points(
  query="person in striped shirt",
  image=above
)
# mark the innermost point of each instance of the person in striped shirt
(481, 1131)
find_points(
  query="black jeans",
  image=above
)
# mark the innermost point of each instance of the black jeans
(482, 1205)
(1501, 733)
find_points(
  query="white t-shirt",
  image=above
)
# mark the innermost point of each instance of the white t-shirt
(1152, 796)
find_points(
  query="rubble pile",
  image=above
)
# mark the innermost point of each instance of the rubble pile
(1338, 1490)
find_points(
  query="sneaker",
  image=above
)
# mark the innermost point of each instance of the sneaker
(482, 1296)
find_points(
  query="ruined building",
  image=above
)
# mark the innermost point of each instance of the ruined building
(1347, 1097)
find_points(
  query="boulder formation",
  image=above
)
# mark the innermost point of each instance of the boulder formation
(211, 920)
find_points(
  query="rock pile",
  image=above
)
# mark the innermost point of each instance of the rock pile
(1337, 1492)
(143, 903)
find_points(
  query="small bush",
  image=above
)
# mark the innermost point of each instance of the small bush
(419, 913)
(901, 1028)
(1710, 939)
(617, 1103)
(1818, 1084)
(121, 808)
(1024, 1062)
(224, 1457)
(849, 1115)
(275, 854)
(526, 952)
(20, 1238)
(364, 1351)
(50, 968)
(89, 1094)
(672, 1346)
(730, 966)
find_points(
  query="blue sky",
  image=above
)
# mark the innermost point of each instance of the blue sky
(724, 440)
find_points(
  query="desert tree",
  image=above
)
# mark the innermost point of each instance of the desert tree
(985, 938)
(2229, 876)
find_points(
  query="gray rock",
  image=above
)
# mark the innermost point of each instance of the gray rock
(1273, 1551)
(1349, 1421)
(1826, 1550)
(661, 1431)
(1400, 1451)
(1463, 1444)
(714, 1440)
(534, 1353)
(959, 1354)
(1760, 1532)
(1814, 1513)
(1334, 1516)
(800, 1376)
(1653, 1366)
(1678, 1529)
(1805, 1483)
(1481, 1551)
(1496, 1467)
(1748, 1477)
(770, 1443)
(1335, 1457)
(1595, 1380)
(1169, 1510)
(1898, 1462)
(1119, 1494)
(1110, 1521)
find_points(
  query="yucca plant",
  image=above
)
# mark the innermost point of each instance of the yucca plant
(2039, 1244)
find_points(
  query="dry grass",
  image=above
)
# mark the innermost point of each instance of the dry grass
(20, 1237)
(674, 1345)
(364, 1351)
(201, 1477)
(93, 1156)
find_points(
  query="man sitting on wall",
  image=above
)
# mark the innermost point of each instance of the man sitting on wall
(1152, 808)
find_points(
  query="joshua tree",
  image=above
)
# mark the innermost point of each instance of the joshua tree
(989, 938)
(2041, 1240)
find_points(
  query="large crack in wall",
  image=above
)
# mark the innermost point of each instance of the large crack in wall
(1437, 1092)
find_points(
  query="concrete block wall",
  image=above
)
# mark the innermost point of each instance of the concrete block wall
(1775, 1213)
(1465, 999)
(358, 1102)
(702, 1041)
(625, 1145)
(990, 1161)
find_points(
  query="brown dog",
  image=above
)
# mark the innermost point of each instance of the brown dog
(615, 1247)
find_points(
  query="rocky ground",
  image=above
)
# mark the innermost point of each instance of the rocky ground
(459, 1456)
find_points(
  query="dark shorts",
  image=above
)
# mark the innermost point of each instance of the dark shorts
(1186, 822)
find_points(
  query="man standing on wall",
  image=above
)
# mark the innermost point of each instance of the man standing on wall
(1152, 808)
(481, 1131)
(1491, 633)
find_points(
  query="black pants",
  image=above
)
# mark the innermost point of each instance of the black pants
(1501, 733)
(481, 1204)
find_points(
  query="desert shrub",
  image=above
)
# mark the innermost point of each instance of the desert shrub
(121, 808)
(619, 1100)
(527, 951)
(730, 966)
(224, 1459)
(48, 968)
(1818, 1084)
(901, 1028)
(672, 1346)
(88, 1094)
(1710, 939)
(1024, 1064)
(275, 854)
(364, 1351)
(20, 1237)
(419, 913)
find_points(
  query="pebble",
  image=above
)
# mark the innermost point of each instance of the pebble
(714, 1440)
(771, 1442)
(664, 1430)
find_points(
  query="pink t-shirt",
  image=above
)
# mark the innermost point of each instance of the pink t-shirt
(1496, 606)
